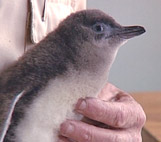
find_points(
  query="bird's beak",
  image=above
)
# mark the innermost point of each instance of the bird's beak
(127, 32)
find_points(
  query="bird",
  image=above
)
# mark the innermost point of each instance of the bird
(39, 90)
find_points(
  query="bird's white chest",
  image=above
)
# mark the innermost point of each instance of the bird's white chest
(53, 106)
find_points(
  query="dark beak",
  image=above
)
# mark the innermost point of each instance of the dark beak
(130, 31)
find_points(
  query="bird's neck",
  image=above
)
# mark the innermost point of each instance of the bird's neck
(89, 83)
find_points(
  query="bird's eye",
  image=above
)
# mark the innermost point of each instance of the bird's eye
(98, 28)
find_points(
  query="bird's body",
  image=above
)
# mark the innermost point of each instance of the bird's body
(56, 107)
(71, 62)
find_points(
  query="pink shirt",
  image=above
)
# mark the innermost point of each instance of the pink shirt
(25, 23)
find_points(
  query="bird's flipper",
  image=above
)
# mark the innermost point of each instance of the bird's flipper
(5, 120)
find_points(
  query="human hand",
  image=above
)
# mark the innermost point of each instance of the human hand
(122, 116)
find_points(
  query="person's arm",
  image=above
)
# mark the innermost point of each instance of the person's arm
(121, 117)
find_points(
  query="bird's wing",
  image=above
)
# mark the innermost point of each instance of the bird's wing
(5, 122)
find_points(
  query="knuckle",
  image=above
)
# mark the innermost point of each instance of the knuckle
(101, 112)
(101, 115)
(119, 138)
(119, 119)
(87, 136)
(136, 137)
(141, 118)
(127, 137)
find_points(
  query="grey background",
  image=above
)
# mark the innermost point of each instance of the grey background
(138, 64)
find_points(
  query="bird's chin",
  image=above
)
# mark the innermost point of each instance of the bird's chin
(123, 42)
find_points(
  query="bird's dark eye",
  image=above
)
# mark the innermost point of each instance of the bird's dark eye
(98, 28)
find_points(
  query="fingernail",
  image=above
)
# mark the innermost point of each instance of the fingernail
(67, 129)
(81, 104)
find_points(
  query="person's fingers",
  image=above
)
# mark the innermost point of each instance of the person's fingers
(65, 139)
(82, 132)
(116, 114)
(108, 92)
(112, 93)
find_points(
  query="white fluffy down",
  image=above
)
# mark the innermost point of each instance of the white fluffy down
(55, 104)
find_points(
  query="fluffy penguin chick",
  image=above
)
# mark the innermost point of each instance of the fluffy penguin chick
(37, 93)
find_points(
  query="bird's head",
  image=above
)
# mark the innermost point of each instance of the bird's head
(96, 37)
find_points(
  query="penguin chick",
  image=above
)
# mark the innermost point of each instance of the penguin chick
(37, 92)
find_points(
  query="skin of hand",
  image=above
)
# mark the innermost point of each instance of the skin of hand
(118, 118)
